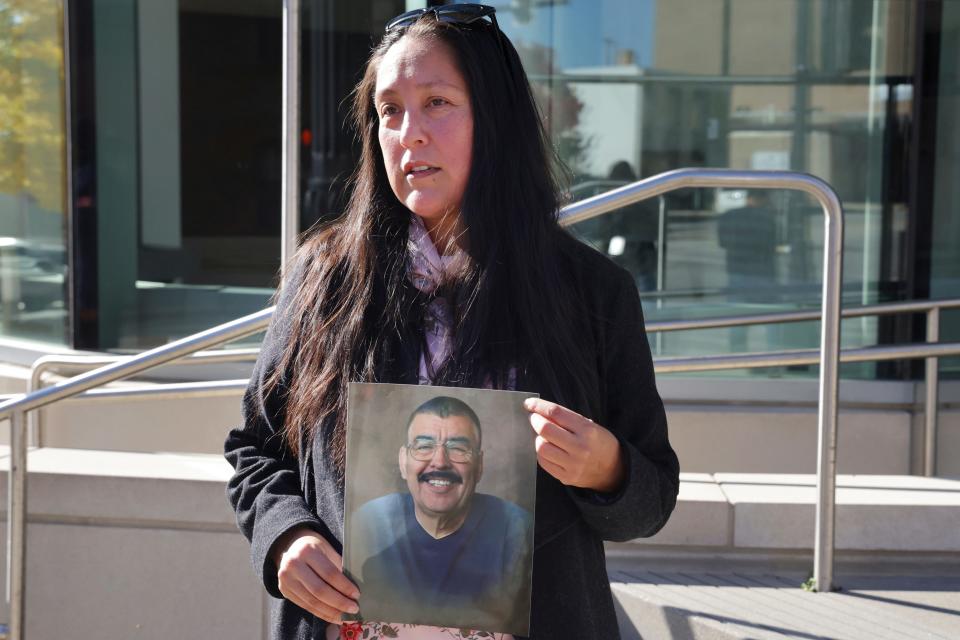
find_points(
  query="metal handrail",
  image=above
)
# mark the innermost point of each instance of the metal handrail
(15, 410)
(823, 549)
(719, 322)
(932, 308)
(81, 363)
(290, 125)
(170, 391)
(665, 365)
(591, 207)
(802, 357)
(132, 365)
(720, 362)
(930, 351)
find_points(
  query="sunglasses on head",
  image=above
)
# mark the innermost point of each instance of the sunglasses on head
(458, 15)
(454, 14)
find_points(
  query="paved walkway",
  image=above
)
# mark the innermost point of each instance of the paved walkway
(728, 602)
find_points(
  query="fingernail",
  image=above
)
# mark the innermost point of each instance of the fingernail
(528, 404)
(353, 609)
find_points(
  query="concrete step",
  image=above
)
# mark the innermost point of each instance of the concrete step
(734, 511)
(783, 439)
(776, 439)
(184, 424)
(147, 537)
(767, 425)
(716, 426)
(708, 439)
(150, 538)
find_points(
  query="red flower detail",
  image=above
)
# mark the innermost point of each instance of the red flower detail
(351, 631)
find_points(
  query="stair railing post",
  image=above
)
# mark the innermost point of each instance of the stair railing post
(17, 525)
(932, 399)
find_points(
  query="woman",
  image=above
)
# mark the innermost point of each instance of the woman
(449, 267)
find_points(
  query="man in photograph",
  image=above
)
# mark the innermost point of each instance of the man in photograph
(441, 545)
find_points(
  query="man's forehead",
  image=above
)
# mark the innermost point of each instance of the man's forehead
(431, 425)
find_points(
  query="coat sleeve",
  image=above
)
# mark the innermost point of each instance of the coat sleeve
(265, 490)
(635, 415)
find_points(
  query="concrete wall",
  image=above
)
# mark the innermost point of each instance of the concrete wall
(134, 545)
(197, 425)
(784, 440)
(728, 512)
(708, 439)
(715, 426)
(948, 443)
(138, 545)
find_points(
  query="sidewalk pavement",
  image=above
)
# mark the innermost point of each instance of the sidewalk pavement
(731, 600)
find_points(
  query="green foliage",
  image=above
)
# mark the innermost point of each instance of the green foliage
(32, 100)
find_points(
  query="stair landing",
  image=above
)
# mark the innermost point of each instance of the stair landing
(737, 603)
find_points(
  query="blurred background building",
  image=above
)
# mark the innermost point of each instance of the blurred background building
(140, 156)
(140, 202)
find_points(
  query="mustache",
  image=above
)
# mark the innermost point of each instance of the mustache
(449, 476)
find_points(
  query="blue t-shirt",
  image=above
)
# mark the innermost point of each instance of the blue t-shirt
(478, 576)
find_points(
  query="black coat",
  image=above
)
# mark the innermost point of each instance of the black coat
(272, 492)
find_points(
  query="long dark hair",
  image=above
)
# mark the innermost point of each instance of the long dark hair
(512, 308)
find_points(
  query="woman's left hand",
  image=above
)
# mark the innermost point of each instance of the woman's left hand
(575, 450)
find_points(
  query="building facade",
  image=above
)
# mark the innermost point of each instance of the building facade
(140, 156)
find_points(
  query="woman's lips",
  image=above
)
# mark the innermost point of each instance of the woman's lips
(424, 173)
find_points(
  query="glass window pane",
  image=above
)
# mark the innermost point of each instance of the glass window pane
(336, 44)
(945, 252)
(32, 176)
(632, 89)
(183, 150)
(180, 154)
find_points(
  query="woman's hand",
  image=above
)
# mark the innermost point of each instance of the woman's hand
(310, 575)
(575, 450)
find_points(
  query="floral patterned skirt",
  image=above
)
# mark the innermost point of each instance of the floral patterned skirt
(381, 630)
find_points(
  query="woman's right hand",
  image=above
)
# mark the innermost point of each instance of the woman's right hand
(310, 575)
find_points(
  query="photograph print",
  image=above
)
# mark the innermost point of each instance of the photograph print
(439, 501)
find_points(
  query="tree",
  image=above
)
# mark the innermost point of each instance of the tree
(558, 103)
(32, 151)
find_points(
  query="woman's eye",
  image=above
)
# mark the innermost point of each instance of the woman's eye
(387, 110)
(437, 102)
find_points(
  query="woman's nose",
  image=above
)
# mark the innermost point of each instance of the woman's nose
(411, 132)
